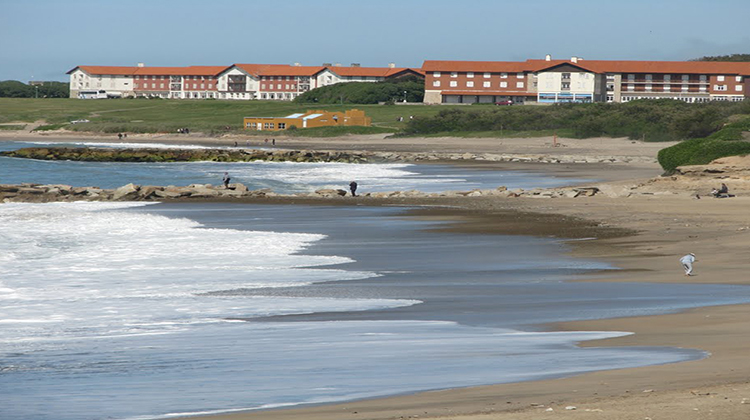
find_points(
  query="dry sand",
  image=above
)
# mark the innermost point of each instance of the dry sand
(666, 223)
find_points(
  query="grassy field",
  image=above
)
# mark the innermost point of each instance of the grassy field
(210, 116)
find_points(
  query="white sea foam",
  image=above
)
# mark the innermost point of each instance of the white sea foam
(97, 269)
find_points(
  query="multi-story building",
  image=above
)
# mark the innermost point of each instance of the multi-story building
(238, 81)
(579, 80)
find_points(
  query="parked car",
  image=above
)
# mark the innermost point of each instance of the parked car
(504, 102)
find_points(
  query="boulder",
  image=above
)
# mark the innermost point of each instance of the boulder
(330, 192)
(126, 191)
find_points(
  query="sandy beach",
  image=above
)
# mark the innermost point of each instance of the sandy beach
(644, 233)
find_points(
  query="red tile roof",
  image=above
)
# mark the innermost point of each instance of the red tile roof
(596, 66)
(474, 66)
(280, 69)
(113, 70)
(180, 71)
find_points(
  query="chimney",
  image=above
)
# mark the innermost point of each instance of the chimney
(141, 65)
(355, 64)
(548, 57)
(327, 65)
(297, 64)
(337, 65)
(574, 59)
(391, 65)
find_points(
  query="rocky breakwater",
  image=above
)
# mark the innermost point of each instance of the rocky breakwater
(95, 154)
(37, 193)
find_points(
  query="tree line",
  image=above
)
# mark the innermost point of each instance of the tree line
(16, 89)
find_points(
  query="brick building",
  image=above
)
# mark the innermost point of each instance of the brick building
(238, 81)
(579, 80)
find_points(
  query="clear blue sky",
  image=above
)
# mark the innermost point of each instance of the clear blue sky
(42, 39)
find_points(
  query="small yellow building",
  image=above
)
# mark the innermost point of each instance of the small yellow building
(309, 119)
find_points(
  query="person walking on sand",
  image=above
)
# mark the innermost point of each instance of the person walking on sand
(226, 180)
(353, 188)
(687, 263)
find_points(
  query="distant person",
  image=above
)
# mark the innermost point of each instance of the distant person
(235, 144)
(226, 180)
(353, 188)
(119, 135)
(722, 192)
(266, 141)
(687, 263)
(273, 142)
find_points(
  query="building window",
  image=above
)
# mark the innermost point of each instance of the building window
(631, 77)
(436, 83)
(153, 85)
(631, 87)
(469, 84)
(436, 74)
(486, 84)
(161, 85)
(685, 77)
(649, 77)
(519, 84)
(738, 88)
(203, 85)
(720, 87)
(288, 78)
(282, 126)
(667, 88)
(719, 78)
(486, 75)
(470, 74)
(278, 86)
(667, 77)
(454, 74)
(454, 83)
(503, 84)
(565, 85)
(520, 76)
(738, 79)
(503, 75)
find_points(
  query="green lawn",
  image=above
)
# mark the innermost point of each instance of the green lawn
(155, 115)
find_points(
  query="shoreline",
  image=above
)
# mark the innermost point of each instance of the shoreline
(665, 227)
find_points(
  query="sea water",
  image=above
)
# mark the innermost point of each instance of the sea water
(281, 177)
(135, 311)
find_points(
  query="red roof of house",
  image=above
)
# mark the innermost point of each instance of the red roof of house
(474, 66)
(280, 69)
(114, 70)
(180, 71)
(596, 66)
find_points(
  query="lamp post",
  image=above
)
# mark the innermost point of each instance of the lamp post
(404, 96)
(36, 91)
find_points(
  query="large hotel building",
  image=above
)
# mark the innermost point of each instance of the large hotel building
(446, 82)
(579, 80)
(238, 81)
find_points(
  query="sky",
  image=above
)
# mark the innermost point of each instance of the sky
(43, 39)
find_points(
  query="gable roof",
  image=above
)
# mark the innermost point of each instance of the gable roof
(114, 70)
(180, 71)
(474, 66)
(279, 69)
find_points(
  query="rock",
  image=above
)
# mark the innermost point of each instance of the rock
(148, 191)
(125, 191)
(168, 194)
(571, 407)
(330, 192)
(238, 187)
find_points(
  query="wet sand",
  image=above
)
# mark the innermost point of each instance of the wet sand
(645, 235)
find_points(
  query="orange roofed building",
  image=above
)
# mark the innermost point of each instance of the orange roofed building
(579, 80)
(309, 119)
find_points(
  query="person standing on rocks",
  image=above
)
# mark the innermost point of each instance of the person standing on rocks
(353, 188)
(687, 263)
(226, 180)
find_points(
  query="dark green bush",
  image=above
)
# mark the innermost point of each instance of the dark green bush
(700, 152)
(366, 92)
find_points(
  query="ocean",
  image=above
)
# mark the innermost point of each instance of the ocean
(154, 310)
